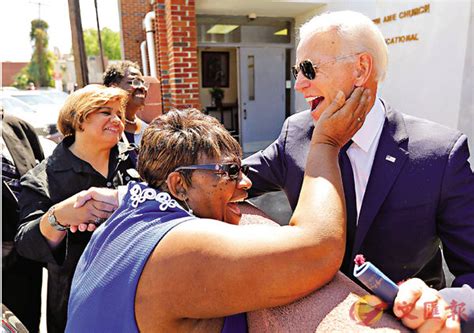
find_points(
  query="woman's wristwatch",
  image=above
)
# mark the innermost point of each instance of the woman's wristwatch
(54, 222)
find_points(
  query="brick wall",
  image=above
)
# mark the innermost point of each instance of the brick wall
(180, 16)
(132, 33)
(10, 70)
(175, 47)
(162, 61)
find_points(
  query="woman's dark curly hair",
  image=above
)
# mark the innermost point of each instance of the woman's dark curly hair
(116, 72)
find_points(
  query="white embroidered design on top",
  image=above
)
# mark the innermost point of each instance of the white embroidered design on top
(138, 196)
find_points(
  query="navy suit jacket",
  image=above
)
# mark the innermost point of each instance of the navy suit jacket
(412, 205)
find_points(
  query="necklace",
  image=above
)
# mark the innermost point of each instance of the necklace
(131, 122)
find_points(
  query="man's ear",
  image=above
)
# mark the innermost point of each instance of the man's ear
(364, 69)
(176, 185)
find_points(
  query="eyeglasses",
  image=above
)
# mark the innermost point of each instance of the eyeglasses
(232, 170)
(309, 69)
(137, 83)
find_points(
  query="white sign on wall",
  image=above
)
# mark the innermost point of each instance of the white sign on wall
(427, 48)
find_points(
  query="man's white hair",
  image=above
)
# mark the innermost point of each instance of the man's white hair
(357, 32)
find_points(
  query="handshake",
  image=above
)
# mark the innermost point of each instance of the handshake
(86, 210)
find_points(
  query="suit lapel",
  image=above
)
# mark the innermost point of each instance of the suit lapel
(389, 159)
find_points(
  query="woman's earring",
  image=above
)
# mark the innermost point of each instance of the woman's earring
(183, 198)
(190, 211)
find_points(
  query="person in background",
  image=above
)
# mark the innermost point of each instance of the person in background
(21, 277)
(126, 75)
(90, 155)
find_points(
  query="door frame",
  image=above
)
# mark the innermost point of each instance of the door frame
(237, 46)
(239, 86)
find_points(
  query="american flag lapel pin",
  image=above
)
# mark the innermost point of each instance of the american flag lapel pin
(390, 158)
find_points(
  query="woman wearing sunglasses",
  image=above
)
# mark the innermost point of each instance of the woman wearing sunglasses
(172, 258)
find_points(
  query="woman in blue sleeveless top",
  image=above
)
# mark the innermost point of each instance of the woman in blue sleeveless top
(165, 261)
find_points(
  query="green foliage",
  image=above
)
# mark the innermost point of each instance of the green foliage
(40, 69)
(37, 24)
(91, 42)
(110, 43)
(41, 64)
(22, 79)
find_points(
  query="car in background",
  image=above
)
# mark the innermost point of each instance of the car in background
(48, 110)
(57, 96)
(17, 108)
(44, 125)
(8, 88)
(33, 98)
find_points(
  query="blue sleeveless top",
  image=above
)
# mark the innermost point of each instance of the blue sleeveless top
(106, 278)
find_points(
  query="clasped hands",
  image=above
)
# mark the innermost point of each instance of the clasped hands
(87, 209)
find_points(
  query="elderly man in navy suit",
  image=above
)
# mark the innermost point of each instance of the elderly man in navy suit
(408, 184)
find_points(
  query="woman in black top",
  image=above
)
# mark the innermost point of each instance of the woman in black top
(89, 156)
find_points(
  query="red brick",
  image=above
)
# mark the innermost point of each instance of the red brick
(176, 47)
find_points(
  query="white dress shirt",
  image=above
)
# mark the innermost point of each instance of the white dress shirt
(362, 151)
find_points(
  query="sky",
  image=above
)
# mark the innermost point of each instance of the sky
(16, 17)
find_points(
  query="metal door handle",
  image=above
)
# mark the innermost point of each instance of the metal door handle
(245, 113)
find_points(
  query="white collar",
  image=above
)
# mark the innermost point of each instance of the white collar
(367, 134)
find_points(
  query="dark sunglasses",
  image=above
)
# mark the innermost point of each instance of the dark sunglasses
(306, 67)
(232, 170)
(309, 69)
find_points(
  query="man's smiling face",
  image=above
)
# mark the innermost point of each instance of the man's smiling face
(335, 70)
